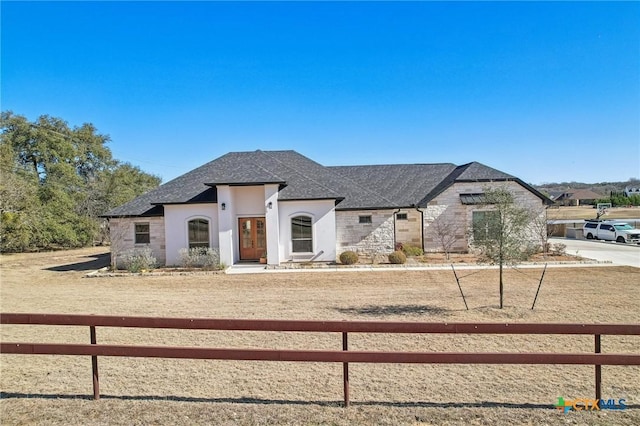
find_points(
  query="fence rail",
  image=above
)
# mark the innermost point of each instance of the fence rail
(597, 359)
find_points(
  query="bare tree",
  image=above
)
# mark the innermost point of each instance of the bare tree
(446, 233)
(118, 230)
(540, 229)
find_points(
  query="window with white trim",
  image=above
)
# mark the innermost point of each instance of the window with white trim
(301, 234)
(198, 233)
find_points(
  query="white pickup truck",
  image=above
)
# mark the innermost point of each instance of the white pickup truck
(611, 231)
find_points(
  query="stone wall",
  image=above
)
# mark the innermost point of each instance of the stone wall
(365, 238)
(122, 233)
(408, 232)
(447, 215)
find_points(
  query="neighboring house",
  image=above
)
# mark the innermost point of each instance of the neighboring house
(577, 197)
(553, 195)
(283, 205)
(631, 190)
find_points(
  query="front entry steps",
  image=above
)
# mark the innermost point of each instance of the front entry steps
(246, 268)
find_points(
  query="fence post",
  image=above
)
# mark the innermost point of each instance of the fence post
(345, 370)
(598, 370)
(94, 365)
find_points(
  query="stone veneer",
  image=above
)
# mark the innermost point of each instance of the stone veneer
(448, 209)
(408, 232)
(122, 232)
(365, 238)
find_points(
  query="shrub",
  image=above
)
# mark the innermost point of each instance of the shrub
(412, 251)
(397, 257)
(200, 257)
(559, 249)
(348, 258)
(138, 259)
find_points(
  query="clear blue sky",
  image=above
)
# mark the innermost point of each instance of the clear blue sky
(544, 91)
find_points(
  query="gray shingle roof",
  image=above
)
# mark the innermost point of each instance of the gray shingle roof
(354, 187)
(404, 185)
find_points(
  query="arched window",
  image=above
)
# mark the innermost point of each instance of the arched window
(198, 233)
(301, 235)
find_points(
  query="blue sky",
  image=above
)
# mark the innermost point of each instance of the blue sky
(544, 91)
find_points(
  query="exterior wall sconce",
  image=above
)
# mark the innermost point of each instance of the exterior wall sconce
(224, 206)
(270, 205)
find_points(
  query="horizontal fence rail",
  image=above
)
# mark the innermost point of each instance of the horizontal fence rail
(344, 356)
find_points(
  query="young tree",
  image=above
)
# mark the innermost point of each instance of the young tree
(500, 231)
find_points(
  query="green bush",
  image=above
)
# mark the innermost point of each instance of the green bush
(397, 257)
(348, 258)
(412, 251)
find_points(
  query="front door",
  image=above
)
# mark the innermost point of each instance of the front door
(253, 238)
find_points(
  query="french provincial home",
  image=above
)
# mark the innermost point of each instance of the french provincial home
(288, 208)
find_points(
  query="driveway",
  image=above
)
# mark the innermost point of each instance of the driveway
(618, 254)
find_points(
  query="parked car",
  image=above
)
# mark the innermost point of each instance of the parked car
(611, 231)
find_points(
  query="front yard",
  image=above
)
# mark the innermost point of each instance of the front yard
(54, 390)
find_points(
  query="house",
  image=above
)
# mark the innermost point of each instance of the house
(631, 190)
(577, 197)
(285, 205)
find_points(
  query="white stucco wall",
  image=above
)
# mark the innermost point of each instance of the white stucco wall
(176, 218)
(323, 217)
(248, 201)
(272, 219)
(226, 232)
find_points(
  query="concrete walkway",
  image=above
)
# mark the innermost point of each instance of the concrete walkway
(260, 269)
(597, 253)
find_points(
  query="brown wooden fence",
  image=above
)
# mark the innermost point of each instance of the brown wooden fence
(344, 356)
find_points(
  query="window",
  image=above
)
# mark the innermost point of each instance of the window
(623, 227)
(364, 219)
(472, 199)
(198, 233)
(485, 224)
(401, 216)
(142, 233)
(301, 235)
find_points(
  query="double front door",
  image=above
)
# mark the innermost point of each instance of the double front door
(253, 238)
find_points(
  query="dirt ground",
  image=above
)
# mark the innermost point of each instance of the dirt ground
(56, 390)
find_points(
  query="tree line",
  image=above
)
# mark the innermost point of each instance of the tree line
(56, 181)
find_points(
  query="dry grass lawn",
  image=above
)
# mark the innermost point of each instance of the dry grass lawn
(56, 390)
(588, 212)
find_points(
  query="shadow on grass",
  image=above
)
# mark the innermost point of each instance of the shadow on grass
(264, 401)
(93, 263)
(380, 310)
